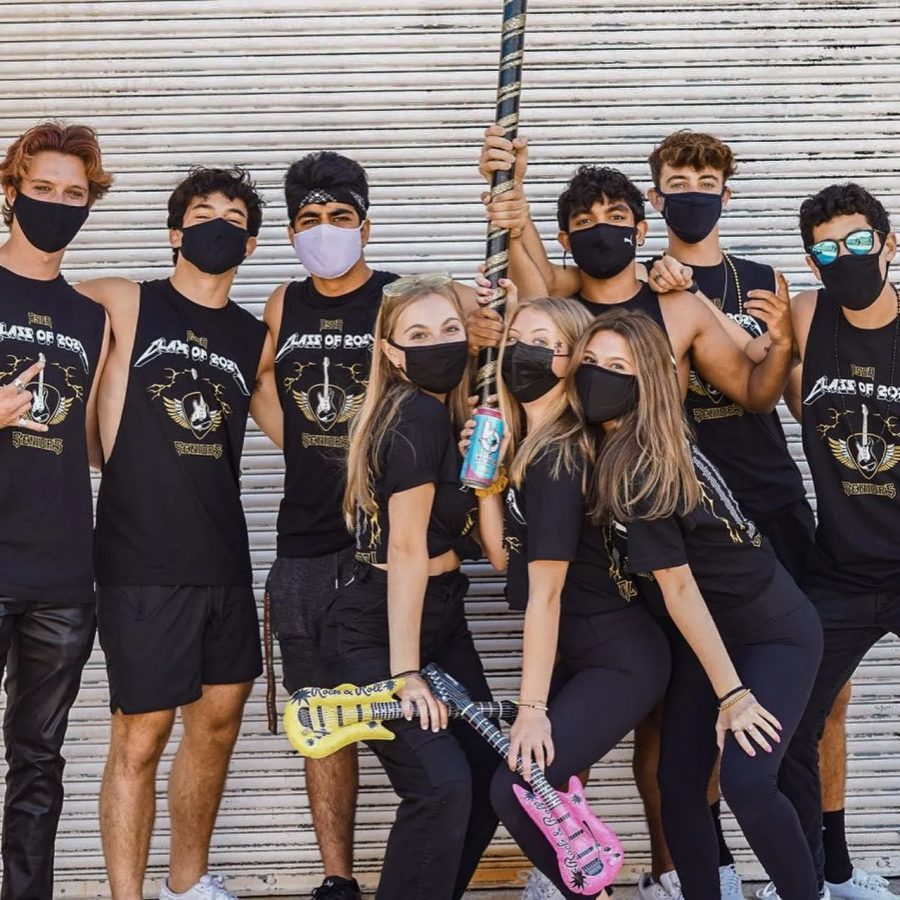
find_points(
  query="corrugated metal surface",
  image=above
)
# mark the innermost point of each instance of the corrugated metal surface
(806, 92)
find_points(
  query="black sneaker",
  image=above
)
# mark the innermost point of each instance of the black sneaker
(336, 888)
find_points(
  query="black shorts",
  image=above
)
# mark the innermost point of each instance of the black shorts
(301, 590)
(164, 642)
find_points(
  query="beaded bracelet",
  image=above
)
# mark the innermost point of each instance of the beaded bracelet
(731, 693)
(737, 698)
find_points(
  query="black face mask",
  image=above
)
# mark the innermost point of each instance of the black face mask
(692, 215)
(48, 226)
(854, 282)
(528, 371)
(437, 367)
(215, 246)
(604, 393)
(602, 251)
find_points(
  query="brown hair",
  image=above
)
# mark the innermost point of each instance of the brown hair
(73, 140)
(562, 432)
(644, 467)
(695, 149)
(385, 393)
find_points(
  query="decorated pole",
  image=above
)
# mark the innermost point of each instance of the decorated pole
(482, 457)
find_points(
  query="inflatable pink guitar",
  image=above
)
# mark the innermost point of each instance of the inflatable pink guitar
(588, 851)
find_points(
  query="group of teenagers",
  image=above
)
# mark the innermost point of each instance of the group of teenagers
(648, 516)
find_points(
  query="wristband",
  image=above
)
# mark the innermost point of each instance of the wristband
(733, 701)
(731, 693)
(406, 674)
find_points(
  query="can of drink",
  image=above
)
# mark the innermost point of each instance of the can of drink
(483, 456)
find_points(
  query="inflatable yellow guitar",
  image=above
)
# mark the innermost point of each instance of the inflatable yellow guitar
(319, 721)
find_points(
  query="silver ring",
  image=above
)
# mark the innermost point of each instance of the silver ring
(22, 421)
(20, 388)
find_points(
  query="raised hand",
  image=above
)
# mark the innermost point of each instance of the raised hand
(775, 310)
(499, 154)
(15, 401)
(668, 274)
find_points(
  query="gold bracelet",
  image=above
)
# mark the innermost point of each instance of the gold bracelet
(533, 704)
(733, 701)
(501, 482)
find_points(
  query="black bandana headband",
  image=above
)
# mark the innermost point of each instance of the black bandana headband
(337, 195)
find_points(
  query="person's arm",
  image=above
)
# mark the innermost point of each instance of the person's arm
(530, 267)
(265, 406)
(691, 615)
(719, 361)
(407, 562)
(15, 401)
(490, 530)
(530, 735)
(92, 424)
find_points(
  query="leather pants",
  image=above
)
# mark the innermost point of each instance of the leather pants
(43, 648)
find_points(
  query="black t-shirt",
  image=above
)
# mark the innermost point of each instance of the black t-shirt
(731, 561)
(851, 435)
(749, 448)
(544, 519)
(46, 513)
(421, 450)
(169, 509)
(323, 354)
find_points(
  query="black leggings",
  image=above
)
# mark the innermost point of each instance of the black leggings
(602, 688)
(445, 821)
(778, 661)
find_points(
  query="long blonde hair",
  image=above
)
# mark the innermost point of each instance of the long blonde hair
(561, 432)
(644, 468)
(386, 391)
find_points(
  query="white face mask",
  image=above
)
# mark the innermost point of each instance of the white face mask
(328, 251)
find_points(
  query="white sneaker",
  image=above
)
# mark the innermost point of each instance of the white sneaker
(667, 888)
(770, 893)
(861, 886)
(730, 885)
(209, 887)
(540, 887)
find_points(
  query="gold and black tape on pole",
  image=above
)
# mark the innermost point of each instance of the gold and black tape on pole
(509, 88)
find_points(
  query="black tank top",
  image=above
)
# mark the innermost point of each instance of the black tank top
(851, 435)
(323, 354)
(645, 300)
(749, 449)
(169, 510)
(46, 515)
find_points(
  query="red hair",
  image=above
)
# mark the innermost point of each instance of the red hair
(74, 140)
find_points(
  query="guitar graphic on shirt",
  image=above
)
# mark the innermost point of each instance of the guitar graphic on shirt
(865, 458)
(326, 410)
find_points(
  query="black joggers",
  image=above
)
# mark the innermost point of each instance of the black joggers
(777, 660)
(445, 820)
(852, 624)
(43, 648)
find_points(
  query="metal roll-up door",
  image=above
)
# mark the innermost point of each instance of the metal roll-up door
(806, 93)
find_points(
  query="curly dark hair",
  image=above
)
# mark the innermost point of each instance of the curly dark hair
(597, 183)
(328, 171)
(841, 200)
(695, 149)
(234, 183)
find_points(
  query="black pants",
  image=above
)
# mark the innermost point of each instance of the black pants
(778, 661)
(602, 688)
(445, 821)
(43, 649)
(852, 624)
